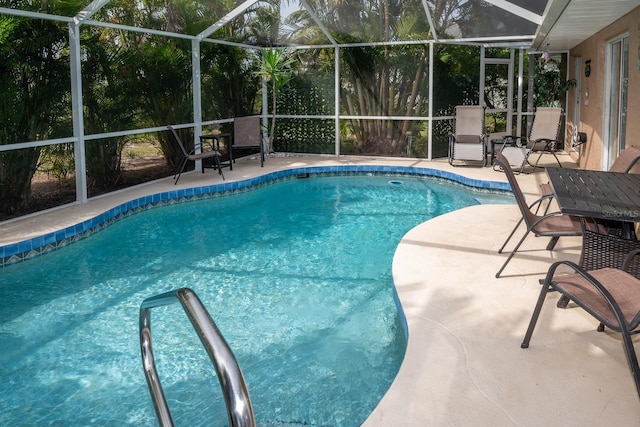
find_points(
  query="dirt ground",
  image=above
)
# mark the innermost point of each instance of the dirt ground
(49, 192)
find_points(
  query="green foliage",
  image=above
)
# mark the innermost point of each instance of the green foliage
(549, 83)
(306, 94)
(229, 82)
(57, 161)
(34, 96)
(275, 69)
(108, 81)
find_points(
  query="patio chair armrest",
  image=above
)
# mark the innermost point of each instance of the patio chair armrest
(629, 259)
(204, 146)
(511, 141)
(549, 144)
(540, 200)
(601, 289)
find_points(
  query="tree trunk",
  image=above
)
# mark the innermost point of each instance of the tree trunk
(16, 170)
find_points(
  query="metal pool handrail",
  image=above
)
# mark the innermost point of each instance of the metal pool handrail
(234, 388)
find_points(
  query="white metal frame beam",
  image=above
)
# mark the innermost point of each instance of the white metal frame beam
(90, 10)
(517, 10)
(226, 19)
(432, 25)
(319, 23)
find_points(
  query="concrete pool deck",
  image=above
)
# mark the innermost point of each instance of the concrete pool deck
(463, 365)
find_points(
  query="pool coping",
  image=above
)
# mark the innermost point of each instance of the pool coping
(41, 244)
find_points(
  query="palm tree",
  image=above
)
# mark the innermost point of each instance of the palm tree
(34, 67)
(275, 68)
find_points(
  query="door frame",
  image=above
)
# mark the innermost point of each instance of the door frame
(615, 98)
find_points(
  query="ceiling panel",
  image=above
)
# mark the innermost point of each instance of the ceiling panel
(566, 27)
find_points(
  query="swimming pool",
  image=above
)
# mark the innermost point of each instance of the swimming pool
(296, 275)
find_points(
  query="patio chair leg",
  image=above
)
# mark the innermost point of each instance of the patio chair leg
(178, 173)
(513, 252)
(552, 243)
(510, 235)
(563, 301)
(632, 359)
(219, 166)
(534, 316)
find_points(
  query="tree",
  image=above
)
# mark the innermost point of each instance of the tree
(377, 80)
(108, 85)
(275, 69)
(549, 83)
(34, 98)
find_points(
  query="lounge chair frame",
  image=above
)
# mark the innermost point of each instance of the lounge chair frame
(468, 142)
(542, 138)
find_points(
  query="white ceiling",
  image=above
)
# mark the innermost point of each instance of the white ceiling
(567, 23)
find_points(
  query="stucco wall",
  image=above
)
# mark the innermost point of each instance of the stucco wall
(592, 112)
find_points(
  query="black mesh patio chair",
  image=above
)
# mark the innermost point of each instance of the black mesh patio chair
(610, 295)
(193, 156)
(247, 134)
(606, 249)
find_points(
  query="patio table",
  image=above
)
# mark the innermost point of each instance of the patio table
(215, 141)
(598, 194)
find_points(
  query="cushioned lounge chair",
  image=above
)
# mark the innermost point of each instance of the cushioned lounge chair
(468, 142)
(554, 225)
(543, 138)
(193, 156)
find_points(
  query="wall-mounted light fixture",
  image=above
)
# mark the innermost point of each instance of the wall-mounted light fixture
(587, 68)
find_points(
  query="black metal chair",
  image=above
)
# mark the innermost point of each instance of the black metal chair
(554, 225)
(193, 156)
(610, 295)
(606, 249)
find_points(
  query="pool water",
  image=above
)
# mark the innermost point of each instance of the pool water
(297, 276)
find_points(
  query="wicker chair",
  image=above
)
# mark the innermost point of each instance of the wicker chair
(608, 250)
(610, 295)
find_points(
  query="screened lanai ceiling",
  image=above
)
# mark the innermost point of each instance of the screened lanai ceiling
(308, 22)
(532, 24)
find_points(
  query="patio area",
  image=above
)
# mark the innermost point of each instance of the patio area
(464, 365)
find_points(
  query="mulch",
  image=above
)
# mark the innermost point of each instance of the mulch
(49, 192)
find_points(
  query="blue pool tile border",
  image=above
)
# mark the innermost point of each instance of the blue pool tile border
(39, 245)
